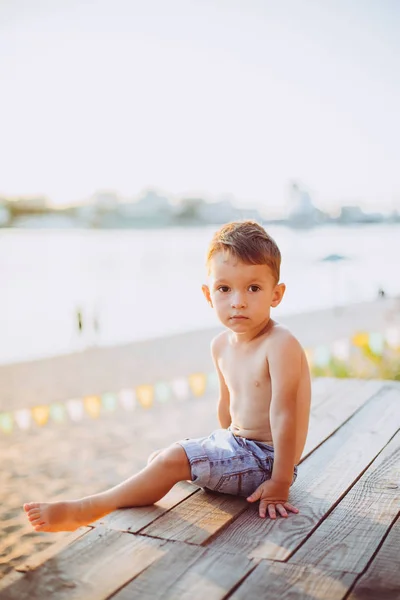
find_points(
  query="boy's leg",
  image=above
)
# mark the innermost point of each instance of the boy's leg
(146, 487)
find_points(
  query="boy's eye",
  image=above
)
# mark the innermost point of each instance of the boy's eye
(223, 288)
(254, 288)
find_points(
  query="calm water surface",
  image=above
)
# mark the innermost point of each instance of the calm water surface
(145, 283)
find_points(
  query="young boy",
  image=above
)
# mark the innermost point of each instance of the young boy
(264, 399)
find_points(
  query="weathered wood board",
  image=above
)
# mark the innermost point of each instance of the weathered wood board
(195, 544)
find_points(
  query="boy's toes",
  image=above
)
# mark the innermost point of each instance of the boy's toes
(34, 517)
(30, 506)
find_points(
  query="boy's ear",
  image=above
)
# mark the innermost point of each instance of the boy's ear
(206, 292)
(278, 294)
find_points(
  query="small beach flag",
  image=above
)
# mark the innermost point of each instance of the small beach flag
(180, 388)
(198, 382)
(92, 406)
(108, 402)
(6, 422)
(162, 391)
(40, 414)
(75, 409)
(145, 395)
(341, 349)
(212, 381)
(392, 337)
(322, 356)
(376, 343)
(23, 418)
(57, 412)
(127, 399)
(360, 339)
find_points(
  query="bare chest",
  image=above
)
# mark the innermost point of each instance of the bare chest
(245, 374)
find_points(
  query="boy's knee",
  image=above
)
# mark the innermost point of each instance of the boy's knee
(173, 456)
(153, 456)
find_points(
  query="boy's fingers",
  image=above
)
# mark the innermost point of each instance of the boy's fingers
(262, 508)
(281, 510)
(272, 511)
(255, 495)
(291, 507)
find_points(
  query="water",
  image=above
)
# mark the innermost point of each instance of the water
(147, 283)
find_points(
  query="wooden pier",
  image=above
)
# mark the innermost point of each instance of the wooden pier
(195, 544)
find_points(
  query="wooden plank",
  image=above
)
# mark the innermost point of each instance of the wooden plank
(350, 534)
(291, 582)
(198, 518)
(324, 477)
(382, 579)
(335, 408)
(40, 557)
(188, 573)
(93, 567)
(135, 519)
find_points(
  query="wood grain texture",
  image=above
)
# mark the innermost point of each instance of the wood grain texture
(92, 568)
(40, 557)
(349, 536)
(382, 579)
(331, 411)
(135, 519)
(188, 573)
(324, 477)
(292, 582)
(198, 518)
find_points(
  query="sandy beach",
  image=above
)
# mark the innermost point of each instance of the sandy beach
(70, 459)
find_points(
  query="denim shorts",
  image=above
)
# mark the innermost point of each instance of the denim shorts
(230, 464)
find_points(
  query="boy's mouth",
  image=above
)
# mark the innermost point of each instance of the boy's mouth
(238, 317)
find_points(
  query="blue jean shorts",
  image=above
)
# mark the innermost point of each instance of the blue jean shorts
(230, 464)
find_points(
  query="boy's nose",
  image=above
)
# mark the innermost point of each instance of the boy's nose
(238, 302)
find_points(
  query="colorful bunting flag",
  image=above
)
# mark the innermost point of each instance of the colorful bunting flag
(127, 399)
(162, 392)
(40, 414)
(322, 356)
(392, 337)
(109, 402)
(23, 418)
(376, 343)
(6, 422)
(360, 339)
(57, 412)
(145, 395)
(75, 409)
(180, 388)
(212, 381)
(92, 406)
(341, 349)
(198, 382)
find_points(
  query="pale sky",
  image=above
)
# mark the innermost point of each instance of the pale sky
(212, 97)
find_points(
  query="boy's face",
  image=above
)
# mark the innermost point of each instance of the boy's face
(241, 294)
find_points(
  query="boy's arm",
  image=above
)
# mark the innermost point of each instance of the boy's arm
(285, 373)
(224, 416)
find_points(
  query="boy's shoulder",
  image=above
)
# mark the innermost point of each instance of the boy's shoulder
(279, 335)
(219, 342)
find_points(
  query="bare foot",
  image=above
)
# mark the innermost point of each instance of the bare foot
(63, 516)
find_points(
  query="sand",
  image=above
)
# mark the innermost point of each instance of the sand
(69, 460)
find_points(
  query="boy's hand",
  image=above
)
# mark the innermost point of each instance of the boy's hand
(273, 498)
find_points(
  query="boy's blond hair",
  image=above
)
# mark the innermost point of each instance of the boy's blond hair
(248, 242)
